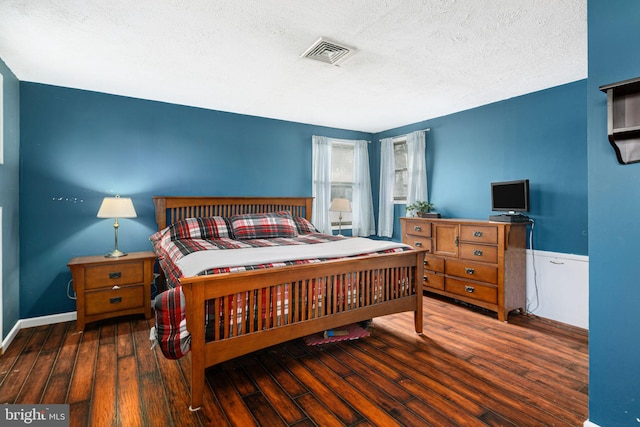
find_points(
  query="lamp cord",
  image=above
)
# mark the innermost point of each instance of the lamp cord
(535, 273)
(68, 290)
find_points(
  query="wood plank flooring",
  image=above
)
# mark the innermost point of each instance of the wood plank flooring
(467, 369)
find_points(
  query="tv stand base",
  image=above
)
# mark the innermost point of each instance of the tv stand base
(509, 218)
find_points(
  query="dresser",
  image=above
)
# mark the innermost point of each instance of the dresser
(110, 287)
(478, 262)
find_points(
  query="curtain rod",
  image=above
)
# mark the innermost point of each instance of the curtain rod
(400, 136)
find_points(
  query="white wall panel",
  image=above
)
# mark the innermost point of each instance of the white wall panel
(558, 287)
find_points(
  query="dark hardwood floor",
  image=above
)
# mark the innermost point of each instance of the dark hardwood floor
(467, 369)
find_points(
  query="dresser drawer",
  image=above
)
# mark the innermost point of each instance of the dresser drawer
(476, 291)
(418, 227)
(433, 280)
(113, 300)
(108, 276)
(479, 234)
(418, 242)
(480, 253)
(472, 271)
(434, 263)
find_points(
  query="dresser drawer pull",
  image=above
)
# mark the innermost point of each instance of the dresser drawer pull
(115, 300)
(469, 270)
(477, 252)
(477, 234)
(417, 228)
(417, 244)
(115, 275)
(469, 289)
(425, 278)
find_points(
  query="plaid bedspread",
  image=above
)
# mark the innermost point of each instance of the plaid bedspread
(169, 252)
(170, 331)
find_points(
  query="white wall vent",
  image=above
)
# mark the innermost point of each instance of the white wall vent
(327, 51)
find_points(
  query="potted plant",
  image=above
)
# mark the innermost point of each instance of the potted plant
(422, 209)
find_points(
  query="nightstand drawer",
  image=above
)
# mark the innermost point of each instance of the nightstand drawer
(113, 300)
(108, 276)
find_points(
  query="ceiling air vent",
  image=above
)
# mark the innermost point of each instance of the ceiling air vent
(327, 51)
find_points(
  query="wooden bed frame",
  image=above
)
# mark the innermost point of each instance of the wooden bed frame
(379, 285)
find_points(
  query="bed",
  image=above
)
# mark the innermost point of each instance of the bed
(237, 311)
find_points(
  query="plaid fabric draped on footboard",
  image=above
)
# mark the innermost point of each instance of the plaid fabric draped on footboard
(279, 305)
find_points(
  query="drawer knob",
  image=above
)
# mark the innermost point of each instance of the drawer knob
(469, 270)
(418, 244)
(425, 278)
(477, 233)
(115, 300)
(417, 228)
(477, 252)
(469, 289)
(115, 275)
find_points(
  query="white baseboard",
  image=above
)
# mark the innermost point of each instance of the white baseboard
(589, 424)
(48, 320)
(36, 321)
(10, 336)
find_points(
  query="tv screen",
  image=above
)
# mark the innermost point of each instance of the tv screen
(511, 196)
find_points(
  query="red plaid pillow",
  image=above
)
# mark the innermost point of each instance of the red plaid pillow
(215, 227)
(304, 226)
(263, 226)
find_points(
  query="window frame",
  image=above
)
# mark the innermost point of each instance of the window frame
(399, 141)
(347, 223)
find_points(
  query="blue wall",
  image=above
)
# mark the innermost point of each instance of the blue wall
(79, 146)
(614, 211)
(540, 136)
(9, 200)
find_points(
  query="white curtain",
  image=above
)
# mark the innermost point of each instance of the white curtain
(321, 192)
(416, 168)
(385, 219)
(363, 223)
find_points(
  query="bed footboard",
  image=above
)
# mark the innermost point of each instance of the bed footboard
(257, 309)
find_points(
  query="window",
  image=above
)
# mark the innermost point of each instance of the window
(341, 169)
(341, 179)
(403, 176)
(400, 170)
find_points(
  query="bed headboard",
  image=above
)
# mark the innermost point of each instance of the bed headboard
(174, 208)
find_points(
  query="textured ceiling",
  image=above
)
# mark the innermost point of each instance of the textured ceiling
(416, 59)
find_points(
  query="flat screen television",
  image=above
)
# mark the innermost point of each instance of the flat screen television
(510, 196)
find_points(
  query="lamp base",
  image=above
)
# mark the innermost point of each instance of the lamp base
(115, 254)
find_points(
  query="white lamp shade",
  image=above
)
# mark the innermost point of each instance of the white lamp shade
(340, 205)
(117, 207)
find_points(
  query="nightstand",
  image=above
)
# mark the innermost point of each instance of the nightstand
(110, 287)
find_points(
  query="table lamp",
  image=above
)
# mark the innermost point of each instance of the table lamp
(340, 205)
(116, 207)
